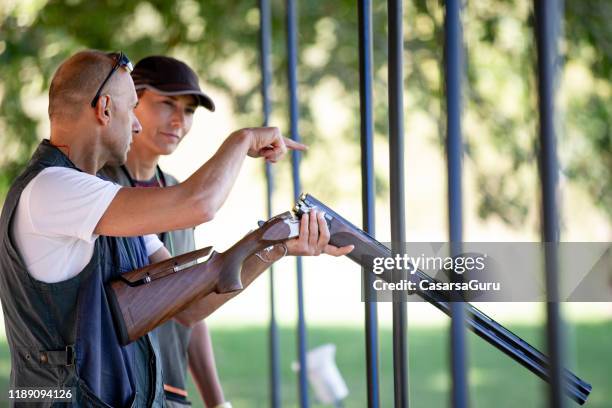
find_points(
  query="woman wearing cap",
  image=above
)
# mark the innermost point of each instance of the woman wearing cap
(169, 93)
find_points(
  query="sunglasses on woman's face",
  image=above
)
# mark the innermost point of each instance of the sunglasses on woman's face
(122, 61)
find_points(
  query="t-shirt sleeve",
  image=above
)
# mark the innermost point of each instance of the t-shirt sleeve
(152, 243)
(67, 202)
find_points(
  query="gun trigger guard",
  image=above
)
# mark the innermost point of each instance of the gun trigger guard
(263, 254)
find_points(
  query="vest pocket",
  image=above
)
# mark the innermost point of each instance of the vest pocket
(89, 399)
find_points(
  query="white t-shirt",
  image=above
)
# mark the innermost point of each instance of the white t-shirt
(53, 226)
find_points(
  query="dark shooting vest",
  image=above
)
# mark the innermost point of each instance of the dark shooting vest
(173, 337)
(62, 334)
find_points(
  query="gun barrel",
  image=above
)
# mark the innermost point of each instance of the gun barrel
(344, 233)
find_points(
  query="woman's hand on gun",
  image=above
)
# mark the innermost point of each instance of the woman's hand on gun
(314, 238)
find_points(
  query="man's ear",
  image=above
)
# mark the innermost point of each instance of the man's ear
(102, 109)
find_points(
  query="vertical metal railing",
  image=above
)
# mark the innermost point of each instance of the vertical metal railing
(547, 16)
(295, 166)
(367, 189)
(397, 200)
(546, 20)
(453, 69)
(265, 28)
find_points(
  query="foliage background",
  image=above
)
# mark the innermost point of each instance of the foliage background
(500, 123)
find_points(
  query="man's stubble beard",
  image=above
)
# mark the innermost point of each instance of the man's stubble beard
(119, 156)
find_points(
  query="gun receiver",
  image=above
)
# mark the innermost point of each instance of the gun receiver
(147, 297)
(366, 247)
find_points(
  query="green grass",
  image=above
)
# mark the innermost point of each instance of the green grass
(495, 380)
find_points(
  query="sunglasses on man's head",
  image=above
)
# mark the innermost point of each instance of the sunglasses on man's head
(121, 61)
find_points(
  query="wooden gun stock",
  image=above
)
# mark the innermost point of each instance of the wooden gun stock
(147, 297)
(342, 232)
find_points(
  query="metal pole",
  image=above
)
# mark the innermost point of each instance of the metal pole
(396, 173)
(266, 81)
(295, 162)
(367, 190)
(454, 150)
(546, 18)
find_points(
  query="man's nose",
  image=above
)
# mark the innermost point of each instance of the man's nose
(136, 126)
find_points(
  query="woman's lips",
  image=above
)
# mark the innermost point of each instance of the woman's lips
(170, 135)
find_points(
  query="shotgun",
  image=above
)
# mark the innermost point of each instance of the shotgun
(145, 298)
(342, 233)
(138, 306)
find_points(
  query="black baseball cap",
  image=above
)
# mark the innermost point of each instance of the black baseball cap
(169, 76)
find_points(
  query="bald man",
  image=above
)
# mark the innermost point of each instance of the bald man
(64, 233)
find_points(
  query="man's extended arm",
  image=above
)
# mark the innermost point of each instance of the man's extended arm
(140, 211)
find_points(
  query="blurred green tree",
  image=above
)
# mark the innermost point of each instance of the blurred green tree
(500, 101)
